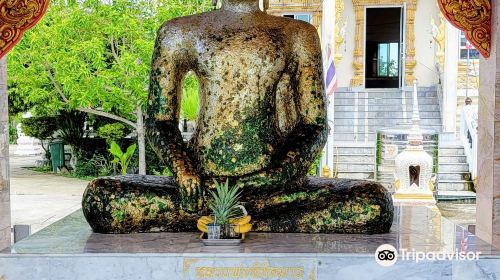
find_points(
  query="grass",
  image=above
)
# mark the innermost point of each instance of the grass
(48, 170)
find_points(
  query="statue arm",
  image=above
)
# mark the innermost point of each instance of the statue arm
(309, 136)
(306, 141)
(168, 68)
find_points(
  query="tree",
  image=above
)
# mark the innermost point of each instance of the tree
(94, 56)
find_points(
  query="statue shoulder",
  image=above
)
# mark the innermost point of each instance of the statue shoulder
(180, 29)
(302, 29)
(304, 34)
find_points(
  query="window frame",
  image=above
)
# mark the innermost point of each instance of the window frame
(294, 14)
(461, 37)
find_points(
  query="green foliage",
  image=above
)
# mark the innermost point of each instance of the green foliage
(111, 132)
(70, 124)
(95, 53)
(121, 158)
(224, 203)
(12, 131)
(378, 155)
(190, 98)
(166, 172)
(43, 169)
(42, 128)
(313, 169)
(85, 168)
(98, 165)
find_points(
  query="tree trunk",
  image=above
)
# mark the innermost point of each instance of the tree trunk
(140, 141)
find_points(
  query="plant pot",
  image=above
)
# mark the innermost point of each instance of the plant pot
(228, 231)
(213, 231)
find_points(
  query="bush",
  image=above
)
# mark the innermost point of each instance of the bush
(111, 132)
(42, 128)
(85, 168)
(98, 165)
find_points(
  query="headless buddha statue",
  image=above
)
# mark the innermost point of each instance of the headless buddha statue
(261, 123)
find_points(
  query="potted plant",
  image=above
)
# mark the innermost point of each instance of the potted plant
(229, 220)
(224, 206)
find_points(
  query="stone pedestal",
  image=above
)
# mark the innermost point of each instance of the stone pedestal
(407, 190)
(488, 190)
(4, 160)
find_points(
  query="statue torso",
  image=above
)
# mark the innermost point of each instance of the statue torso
(240, 62)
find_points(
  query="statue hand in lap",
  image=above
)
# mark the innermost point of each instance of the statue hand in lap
(261, 123)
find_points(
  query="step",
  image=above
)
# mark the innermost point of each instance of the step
(452, 159)
(358, 158)
(463, 185)
(387, 121)
(453, 167)
(351, 166)
(349, 105)
(350, 150)
(355, 175)
(362, 100)
(456, 195)
(351, 137)
(372, 129)
(386, 94)
(454, 176)
(449, 151)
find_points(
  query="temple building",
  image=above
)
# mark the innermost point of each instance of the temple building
(379, 49)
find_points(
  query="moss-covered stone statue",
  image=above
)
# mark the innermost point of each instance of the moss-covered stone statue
(261, 123)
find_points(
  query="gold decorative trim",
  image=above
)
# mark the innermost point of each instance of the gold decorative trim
(413, 196)
(17, 16)
(439, 35)
(474, 18)
(340, 29)
(187, 264)
(359, 64)
(314, 7)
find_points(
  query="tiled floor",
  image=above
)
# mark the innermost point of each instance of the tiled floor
(415, 227)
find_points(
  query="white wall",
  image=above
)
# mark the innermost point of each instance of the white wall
(345, 70)
(425, 70)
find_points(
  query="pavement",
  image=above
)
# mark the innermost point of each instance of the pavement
(40, 199)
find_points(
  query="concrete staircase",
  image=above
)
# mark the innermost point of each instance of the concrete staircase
(453, 175)
(355, 160)
(358, 117)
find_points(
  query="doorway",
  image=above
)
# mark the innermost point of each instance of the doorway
(384, 40)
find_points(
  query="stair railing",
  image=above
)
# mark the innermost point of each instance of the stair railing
(468, 136)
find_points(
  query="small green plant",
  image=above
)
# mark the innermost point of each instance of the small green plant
(313, 169)
(166, 172)
(85, 168)
(224, 203)
(121, 158)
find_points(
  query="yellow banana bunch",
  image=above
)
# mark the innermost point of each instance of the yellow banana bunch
(242, 225)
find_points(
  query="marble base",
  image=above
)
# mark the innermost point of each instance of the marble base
(69, 249)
